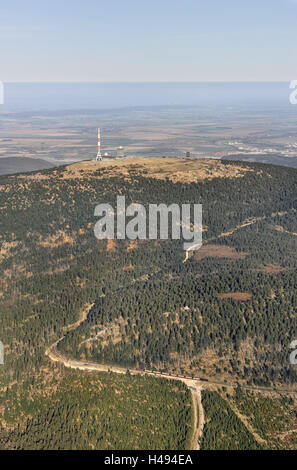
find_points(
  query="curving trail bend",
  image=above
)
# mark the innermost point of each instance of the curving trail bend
(54, 355)
(195, 385)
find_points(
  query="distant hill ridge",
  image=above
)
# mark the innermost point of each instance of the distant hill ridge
(11, 165)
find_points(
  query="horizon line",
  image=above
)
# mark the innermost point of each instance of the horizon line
(147, 82)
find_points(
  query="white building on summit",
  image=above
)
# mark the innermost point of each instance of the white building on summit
(120, 152)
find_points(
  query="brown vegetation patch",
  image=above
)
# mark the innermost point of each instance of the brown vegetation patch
(175, 169)
(218, 251)
(129, 268)
(273, 269)
(281, 229)
(242, 296)
(133, 244)
(57, 239)
(112, 333)
(6, 248)
(111, 245)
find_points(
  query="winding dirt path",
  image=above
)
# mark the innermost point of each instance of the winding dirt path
(198, 417)
(195, 385)
(54, 355)
(201, 418)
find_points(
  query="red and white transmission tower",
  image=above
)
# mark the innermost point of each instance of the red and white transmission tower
(99, 156)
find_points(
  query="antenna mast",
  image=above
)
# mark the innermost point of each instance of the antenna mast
(99, 156)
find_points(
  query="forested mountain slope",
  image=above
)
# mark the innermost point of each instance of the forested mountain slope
(227, 313)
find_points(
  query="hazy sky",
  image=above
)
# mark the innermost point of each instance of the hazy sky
(148, 40)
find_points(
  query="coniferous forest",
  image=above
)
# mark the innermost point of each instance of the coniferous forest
(227, 314)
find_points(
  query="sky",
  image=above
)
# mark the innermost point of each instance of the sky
(148, 40)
